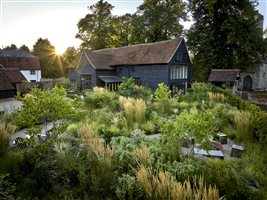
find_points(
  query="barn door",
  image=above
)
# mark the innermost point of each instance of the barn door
(247, 83)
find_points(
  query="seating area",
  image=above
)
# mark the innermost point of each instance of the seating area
(222, 148)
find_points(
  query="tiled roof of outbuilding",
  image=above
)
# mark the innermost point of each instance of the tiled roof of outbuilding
(9, 77)
(223, 75)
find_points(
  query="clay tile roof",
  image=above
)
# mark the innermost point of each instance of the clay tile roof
(4, 82)
(223, 75)
(19, 59)
(14, 75)
(151, 53)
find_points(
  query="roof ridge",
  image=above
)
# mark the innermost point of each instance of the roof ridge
(142, 44)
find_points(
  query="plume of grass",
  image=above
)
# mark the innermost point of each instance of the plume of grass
(243, 121)
(6, 129)
(101, 160)
(142, 155)
(140, 109)
(216, 97)
(134, 110)
(161, 185)
(100, 151)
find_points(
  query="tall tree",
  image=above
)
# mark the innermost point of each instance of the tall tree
(122, 30)
(11, 47)
(95, 29)
(160, 19)
(24, 48)
(51, 64)
(225, 34)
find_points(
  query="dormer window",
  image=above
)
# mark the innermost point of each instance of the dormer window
(32, 72)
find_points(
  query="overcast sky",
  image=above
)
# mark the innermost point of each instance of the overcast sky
(24, 21)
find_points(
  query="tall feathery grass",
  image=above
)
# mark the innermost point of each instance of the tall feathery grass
(216, 97)
(100, 156)
(162, 186)
(142, 156)
(243, 121)
(6, 129)
(134, 110)
(101, 152)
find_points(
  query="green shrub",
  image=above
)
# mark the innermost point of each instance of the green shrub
(43, 105)
(100, 98)
(63, 82)
(128, 88)
(162, 97)
(127, 187)
(7, 189)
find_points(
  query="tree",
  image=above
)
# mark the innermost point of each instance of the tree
(95, 29)
(225, 34)
(122, 28)
(24, 48)
(11, 47)
(160, 19)
(51, 64)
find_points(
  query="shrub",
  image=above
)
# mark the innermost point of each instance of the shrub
(127, 187)
(7, 189)
(63, 82)
(43, 105)
(162, 98)
(100, 98)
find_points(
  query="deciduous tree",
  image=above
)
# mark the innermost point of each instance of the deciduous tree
(160, 19)
(95, 29)
(51, 64)
(225, 34)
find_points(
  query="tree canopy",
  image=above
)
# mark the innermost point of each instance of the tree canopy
(51, 64)
(225, 34)
(154, 21)
(95, 28)
(160, 19)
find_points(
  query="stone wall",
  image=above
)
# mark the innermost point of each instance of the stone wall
(258, 74)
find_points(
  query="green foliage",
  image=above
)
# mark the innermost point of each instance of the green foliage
(162, 97)
(160, 20)
(129, 89)
(153, 21)
(100, 98)
(128, 188)
(95, 28)
(7, 189)
(126, 87)
(43, 105)
(225, 174)
(225, 39)
(51, 65)
(63, 82)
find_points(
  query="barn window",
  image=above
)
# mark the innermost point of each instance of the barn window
(179, 57)
(32, 72)
(179, 72)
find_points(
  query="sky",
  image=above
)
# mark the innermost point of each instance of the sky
(24, 21)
